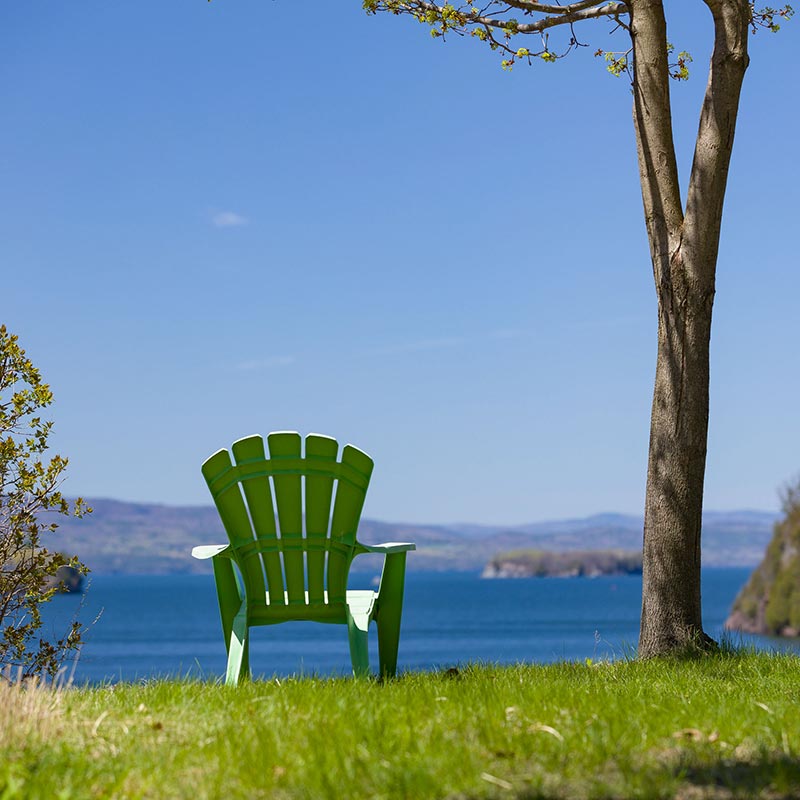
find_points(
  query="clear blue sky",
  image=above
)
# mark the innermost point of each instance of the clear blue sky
(236, 217)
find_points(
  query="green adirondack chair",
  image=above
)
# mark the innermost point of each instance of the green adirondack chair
(306, 570)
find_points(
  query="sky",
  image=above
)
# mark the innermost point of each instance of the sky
(226, 218)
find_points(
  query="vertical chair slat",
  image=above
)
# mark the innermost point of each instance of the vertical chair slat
(258, 494)
(346, 514)
(234, 517)
(288, 494)
(320, 453)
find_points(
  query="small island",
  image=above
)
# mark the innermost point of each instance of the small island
(570, 564)
(66, 580)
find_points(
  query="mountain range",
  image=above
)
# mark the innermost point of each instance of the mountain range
(148, 538)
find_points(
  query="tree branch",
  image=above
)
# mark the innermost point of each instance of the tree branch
(464, 17)
(709, 175)
(531, 6)
(658, 166)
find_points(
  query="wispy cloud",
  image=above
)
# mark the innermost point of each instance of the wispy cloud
(509, 333)
(621, 321)
(228, 219)
(419, 346)
(255, 364)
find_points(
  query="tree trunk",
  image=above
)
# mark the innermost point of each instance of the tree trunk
(671, 612)
(684, 252)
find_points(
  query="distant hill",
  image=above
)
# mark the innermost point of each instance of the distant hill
(148, 538)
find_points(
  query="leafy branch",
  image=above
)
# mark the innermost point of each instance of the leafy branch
(765, 18)
(493, 24)
(496, 23)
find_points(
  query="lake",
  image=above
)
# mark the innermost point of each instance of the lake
(144, 626)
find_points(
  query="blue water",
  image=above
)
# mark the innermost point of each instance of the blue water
(169, 625)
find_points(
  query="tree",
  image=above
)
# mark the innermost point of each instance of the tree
(28, 489)
(684, 243)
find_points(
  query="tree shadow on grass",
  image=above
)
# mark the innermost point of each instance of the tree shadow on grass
(765, 777)
(774, 776)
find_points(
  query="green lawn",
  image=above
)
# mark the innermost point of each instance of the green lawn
(721, 726)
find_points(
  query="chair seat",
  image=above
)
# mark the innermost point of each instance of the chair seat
(361, 603)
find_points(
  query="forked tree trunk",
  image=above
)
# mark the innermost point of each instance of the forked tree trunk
(683, 251)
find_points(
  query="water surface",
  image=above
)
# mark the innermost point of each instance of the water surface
(154, 625)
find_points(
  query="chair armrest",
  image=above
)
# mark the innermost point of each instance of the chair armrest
(387, 547)
(210, 550)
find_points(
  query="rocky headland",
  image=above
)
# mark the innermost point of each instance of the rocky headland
(769, 603)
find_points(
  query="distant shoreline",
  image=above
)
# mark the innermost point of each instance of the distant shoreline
(139, 538)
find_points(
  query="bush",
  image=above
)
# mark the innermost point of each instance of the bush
(29, 484)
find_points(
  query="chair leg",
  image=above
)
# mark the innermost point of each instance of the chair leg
(228, 596)
(238, 650)
(357, 631)
(232, 611)
(390, 609)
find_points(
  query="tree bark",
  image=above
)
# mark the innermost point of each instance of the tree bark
(683, 249)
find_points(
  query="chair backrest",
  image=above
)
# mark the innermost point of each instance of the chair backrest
(301, 488)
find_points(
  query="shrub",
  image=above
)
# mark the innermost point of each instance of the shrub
(29, 494)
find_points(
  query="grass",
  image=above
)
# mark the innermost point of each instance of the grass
(721, 726)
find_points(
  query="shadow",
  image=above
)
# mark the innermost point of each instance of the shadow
(773, 776)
